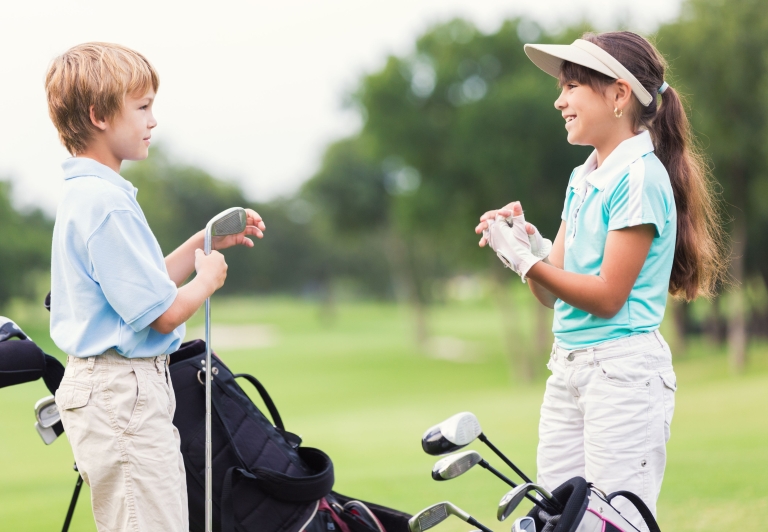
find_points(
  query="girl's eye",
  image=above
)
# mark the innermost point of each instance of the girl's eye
(572, 85)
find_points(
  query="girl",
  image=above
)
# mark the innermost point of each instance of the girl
(639, 221)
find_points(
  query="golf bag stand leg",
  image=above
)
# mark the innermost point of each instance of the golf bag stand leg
(73, 502)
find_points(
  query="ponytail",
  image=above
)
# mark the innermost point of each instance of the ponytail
(700, 260)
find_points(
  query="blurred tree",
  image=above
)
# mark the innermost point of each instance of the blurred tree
(463, 125)
(25, 248)
(717, 53)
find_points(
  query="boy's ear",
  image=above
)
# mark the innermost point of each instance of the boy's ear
(96, 120)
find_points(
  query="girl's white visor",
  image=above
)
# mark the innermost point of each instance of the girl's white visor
(549, 58)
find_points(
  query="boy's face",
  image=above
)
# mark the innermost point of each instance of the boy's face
(129, 131)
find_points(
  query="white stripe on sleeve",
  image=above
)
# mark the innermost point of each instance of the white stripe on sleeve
(635, 200)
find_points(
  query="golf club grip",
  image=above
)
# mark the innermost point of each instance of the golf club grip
(474, 522)
(506, 460)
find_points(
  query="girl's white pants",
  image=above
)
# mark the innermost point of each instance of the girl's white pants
(606, 416)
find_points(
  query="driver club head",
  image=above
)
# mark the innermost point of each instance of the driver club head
(434, 515)
(452, 434)
(229, 222)
(456, 464)
(513, 497)
(9, 329)
(46, 412)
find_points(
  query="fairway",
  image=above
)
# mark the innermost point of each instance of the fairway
(354, 384)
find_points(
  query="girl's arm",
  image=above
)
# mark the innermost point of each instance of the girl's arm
(602, 295)
(556, 259)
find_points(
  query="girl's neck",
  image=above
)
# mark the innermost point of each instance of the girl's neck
(606, 147)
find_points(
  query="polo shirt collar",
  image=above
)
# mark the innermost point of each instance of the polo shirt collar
(622, 156)
(83, 166)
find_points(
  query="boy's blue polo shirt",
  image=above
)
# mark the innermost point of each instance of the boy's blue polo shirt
(630, 188)
(108, 275)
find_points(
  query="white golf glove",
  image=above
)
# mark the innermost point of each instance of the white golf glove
(518, 250)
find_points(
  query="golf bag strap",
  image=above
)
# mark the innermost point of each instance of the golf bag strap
(276, 419)
(227, 504)
(645, 512)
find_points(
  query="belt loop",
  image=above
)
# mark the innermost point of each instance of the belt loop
(157, 366)
(659, 338)
(592, 354)
(90, 364)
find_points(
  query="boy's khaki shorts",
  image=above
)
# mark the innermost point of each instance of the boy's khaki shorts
(117, 413)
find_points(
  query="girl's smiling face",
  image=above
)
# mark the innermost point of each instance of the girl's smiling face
(588, 114)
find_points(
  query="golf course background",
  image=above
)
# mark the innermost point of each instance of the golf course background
(355, 385)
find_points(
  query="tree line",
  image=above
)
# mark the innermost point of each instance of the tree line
(463, 124)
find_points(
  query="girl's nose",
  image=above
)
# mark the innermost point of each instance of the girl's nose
(560, 102)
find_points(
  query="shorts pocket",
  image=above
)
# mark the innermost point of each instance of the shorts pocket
(627, 371)
(73, 394)
(669, 387)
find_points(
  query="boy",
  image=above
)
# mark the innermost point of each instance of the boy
(117, 306)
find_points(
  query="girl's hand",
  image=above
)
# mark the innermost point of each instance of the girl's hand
(487, 219)
(254, 226)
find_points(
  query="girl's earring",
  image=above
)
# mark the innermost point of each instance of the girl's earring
(618, 112)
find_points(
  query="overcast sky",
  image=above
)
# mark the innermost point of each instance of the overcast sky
(250, 90)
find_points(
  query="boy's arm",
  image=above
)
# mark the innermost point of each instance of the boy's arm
(211, 273)
(180, 263)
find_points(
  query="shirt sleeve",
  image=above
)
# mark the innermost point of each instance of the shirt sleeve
(129, 266)
(637, 200)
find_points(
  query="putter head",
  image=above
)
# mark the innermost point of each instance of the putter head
(434, 515)
(524, 524)
(46, 412)
(513, 497)
(452, 434)
(229, 222)
(9, 329)
(456, 464)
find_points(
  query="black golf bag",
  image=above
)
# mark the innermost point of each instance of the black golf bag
(587, 509)
(263, 480)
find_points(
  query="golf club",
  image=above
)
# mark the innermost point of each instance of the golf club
(524, 524)
(437, 513)
(230, 222)
(9, 329)
(459, 431)
(46, 412)
(512, 499)
(457, 464)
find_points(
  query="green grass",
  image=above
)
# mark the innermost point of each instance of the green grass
(359, 389)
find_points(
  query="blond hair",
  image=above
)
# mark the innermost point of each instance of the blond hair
(97, 75)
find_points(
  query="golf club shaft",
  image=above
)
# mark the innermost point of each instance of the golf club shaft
(208, 444)
(474, 522)
(496, 472)
(504, 458)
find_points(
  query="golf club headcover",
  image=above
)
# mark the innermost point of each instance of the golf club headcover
(20, 361)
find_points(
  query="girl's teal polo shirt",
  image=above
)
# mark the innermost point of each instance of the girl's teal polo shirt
(630, 188)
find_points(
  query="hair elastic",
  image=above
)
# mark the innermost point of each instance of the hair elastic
(664, 86)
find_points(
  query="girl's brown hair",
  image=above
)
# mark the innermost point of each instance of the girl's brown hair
(700, 260)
